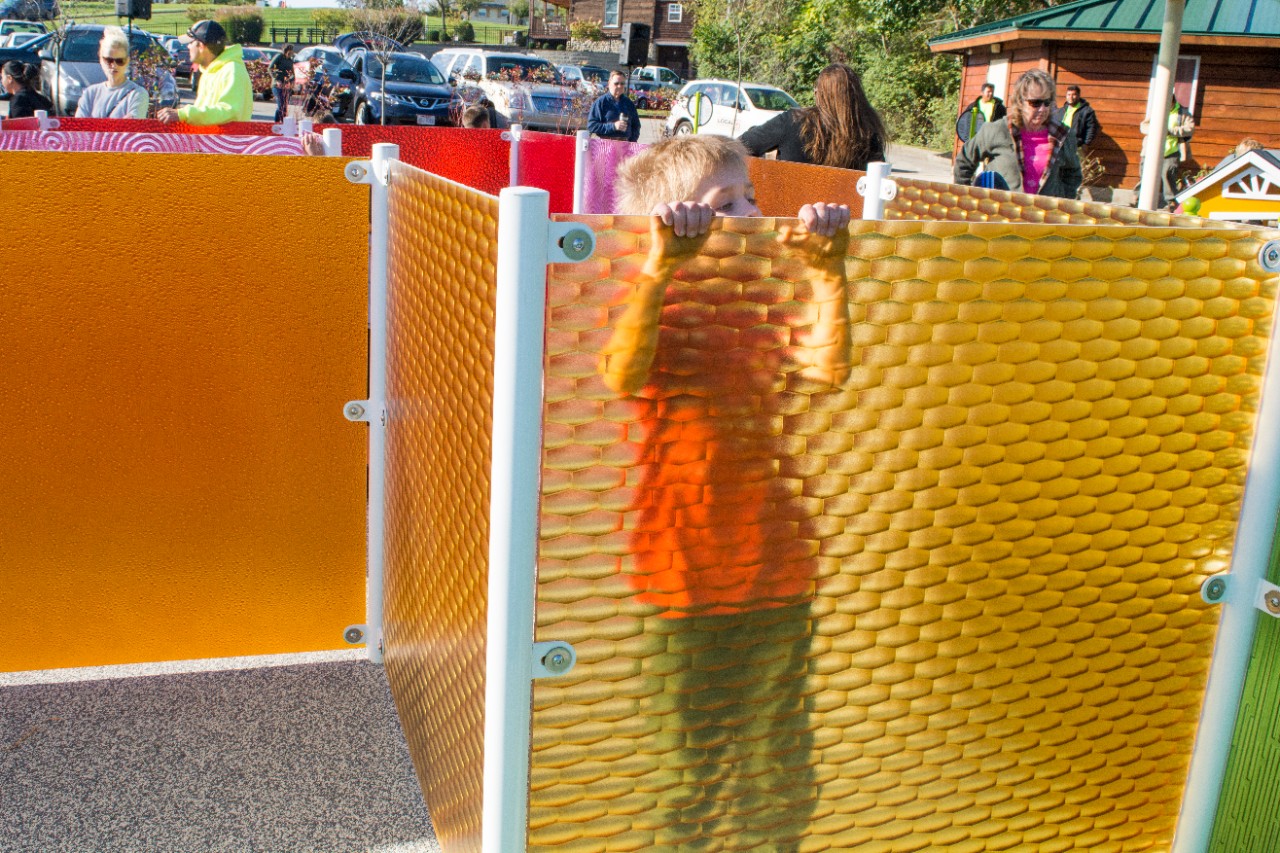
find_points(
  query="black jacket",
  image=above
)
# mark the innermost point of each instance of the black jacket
(281, 70)
(25, 103)
(1084, 122)
(997, 112)
(782, 134)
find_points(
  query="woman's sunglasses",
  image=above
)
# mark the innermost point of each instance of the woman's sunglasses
(111, 60)
(1037, 103)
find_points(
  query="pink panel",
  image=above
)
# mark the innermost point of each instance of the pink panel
(168, 143)
(604, 157)
(546, 162)
(150, 125)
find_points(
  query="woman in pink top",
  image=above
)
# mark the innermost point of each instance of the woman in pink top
(1029, 150)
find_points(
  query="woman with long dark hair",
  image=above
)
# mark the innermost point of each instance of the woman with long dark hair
(20, 80)
(841, 129)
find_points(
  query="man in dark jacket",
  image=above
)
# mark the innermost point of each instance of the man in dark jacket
(613, 116)
(282, 80)
(1079, 116)
(985, 108)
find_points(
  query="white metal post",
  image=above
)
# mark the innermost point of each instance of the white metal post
(332, 137)
(1158, 105)
(305, 125)
(523, 233)
(288, 127)
(513, 164)
(582, 151)
(874, 188)
(383, 154)
(1233, 646)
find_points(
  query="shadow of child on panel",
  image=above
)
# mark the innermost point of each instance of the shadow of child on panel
(723, 545)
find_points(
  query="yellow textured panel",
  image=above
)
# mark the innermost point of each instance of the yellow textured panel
(179, 479)
(1004, 517)
(441, 266)
(932, 201)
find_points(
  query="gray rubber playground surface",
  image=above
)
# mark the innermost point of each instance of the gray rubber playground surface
(307, 756)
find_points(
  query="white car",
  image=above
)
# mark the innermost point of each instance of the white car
(591, 79)
(726, 108)
(523, 88)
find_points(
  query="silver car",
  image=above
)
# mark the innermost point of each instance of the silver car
(523, 88)
(72, 66)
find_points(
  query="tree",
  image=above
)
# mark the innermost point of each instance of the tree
(518, 10)
(468, 7)
(388, 27)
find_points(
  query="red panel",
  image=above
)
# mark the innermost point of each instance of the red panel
(477, 158)
(546, 162)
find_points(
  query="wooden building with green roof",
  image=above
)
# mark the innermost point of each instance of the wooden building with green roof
(1228, 70)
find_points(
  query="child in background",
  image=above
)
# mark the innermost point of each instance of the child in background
(724, 545)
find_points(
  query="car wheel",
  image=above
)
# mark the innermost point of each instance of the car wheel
(683, 128)
(642, 103)
(364, 115)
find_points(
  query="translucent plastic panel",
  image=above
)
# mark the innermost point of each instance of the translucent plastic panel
(479, 159)
(439, 384)
(932, 201)
(948, 602)
(547, 162)
(180, 482)
(163, 143)
(782, 188)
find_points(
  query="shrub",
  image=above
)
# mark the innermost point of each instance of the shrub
(331, 19)
(433, 35)
(560, 45)
(196, 13)
(587, 30)
(403, 25)
(465, 32)
(243, 25)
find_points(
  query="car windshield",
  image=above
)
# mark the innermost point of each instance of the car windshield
(771, 99)
(515, 68)
(82, 46)
(595, 73)
(405, 69)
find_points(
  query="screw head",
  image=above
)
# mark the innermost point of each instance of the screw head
(1272, 600)
(1215, 589)
(558, 660)
(1269, 256)
(353, 635)
(355, 411)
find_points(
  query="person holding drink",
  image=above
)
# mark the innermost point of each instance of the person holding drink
(613, 115)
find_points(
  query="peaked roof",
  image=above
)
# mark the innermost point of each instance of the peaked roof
(1226, 22)
(1265, 160)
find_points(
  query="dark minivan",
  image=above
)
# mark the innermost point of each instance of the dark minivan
(415, 90)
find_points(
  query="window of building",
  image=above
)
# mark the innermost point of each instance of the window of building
(611, 12)
(675, 13)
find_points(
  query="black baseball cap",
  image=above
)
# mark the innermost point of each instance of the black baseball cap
(205, 32)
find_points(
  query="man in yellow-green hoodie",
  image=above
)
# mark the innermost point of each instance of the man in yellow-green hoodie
(225, 92)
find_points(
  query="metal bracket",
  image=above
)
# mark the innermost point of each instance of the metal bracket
(888, 188)
(571, 242)
(355, 634)
(1269, 256)
(361, 172)
(361, 411)
(553, 659)
(1267, 599)
(1214, 590)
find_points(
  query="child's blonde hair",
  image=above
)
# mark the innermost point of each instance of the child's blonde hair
(672, 169)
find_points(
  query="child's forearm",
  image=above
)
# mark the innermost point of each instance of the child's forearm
(629, 354)
(830, 342)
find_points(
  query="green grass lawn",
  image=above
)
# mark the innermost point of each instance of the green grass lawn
(172, 19)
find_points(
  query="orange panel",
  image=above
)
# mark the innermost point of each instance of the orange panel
(179, 479)
(1000, 522)
(783, 188)
(442, 258)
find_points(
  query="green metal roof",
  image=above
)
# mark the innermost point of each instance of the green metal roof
(1232, 18)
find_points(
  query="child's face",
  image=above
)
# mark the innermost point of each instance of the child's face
(728, 192)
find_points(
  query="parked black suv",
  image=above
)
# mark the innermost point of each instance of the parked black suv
(415, 93)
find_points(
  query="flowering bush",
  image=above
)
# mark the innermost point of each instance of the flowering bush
(152, 70)
(587, 30)
(659, 100)
(259, 75)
